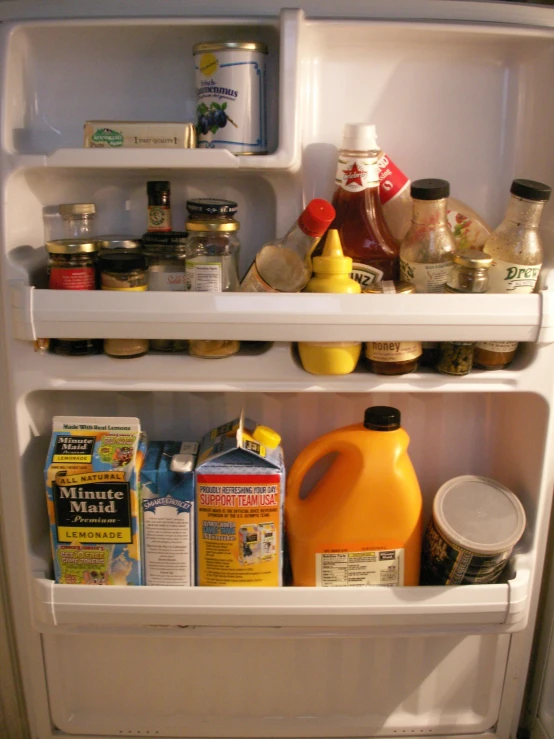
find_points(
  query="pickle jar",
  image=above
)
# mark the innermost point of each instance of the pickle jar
(165, 256)
(470, 274)
(212, 261)
(72, 266)
(392, 357)
(124, 271)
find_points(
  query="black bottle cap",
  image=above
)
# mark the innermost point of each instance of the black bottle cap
(430, 189)
(121, 261)
(382, 418)
(211, 207)
(531, 190)
(153, 187)
(164, 238)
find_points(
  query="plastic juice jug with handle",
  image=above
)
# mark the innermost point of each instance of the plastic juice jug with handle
(361, 523)
(331, 275)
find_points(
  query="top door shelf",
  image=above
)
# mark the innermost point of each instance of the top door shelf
(62, 73)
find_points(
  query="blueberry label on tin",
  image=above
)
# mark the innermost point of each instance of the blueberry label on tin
(107, 136)
(212, 118)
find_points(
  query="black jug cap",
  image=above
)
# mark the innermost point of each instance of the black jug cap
(382, 418)
(531, 190)
(430, 189)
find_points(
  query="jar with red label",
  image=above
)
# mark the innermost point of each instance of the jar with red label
(72, 266)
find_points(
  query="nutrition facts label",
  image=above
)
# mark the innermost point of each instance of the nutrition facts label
(376, 567)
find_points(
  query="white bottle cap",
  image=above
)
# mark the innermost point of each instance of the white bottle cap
(359, 137)
(182, 463)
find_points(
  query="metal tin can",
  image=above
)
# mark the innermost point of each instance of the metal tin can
(476, 523)
(230, 96)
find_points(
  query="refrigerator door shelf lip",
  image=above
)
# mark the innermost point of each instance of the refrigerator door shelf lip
(472, 608)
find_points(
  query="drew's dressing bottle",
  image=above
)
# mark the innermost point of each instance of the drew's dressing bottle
(331, 275)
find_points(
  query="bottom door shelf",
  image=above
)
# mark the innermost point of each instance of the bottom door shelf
(498, 607)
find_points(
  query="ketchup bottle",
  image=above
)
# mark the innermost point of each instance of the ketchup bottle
(359, 219)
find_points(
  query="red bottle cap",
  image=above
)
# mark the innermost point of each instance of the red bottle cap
(316, 217)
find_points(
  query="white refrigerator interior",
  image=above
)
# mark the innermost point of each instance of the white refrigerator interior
(464, 93)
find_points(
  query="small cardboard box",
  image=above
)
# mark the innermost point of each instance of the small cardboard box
(240, 488)
(139, 135)
(167, 500)
(91, 479)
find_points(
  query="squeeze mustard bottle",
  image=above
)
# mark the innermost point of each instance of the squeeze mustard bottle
(331, 275)
(361, 523)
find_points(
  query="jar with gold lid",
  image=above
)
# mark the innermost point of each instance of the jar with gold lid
(72, 266)
(392, 357)
(212, 252)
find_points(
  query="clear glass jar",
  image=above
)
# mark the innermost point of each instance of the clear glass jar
(165, 256)
(72, 266)
(78, 219)
(392, 357)
(123, 271)
(470, 274)
(212, 254)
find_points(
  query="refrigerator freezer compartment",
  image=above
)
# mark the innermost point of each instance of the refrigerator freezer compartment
(177, 685)
(62, 73)
(278, 317)
(498, 607)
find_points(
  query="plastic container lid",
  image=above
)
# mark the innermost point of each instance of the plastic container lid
(359, 137)
(266, 436)
(211, 207)
(479, 514)
(531, 190)
(382, 418)
(316, 217)
(332, 260)
(430, 189)
(77, 209)
(182, 463)
(121, 261)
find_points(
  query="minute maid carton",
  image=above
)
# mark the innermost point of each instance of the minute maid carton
(91, 478)
(240, 488)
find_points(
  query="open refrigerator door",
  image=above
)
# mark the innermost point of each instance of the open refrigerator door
(457, 90)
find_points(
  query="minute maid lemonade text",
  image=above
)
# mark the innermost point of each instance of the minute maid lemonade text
(239, 500)
(91, 485)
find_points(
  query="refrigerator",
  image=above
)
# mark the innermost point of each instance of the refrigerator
(457, 90)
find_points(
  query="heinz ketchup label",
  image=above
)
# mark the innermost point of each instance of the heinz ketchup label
(391, 179)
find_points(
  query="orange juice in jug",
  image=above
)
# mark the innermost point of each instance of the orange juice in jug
(361, 523)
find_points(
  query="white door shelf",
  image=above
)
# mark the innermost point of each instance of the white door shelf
(282, 317)
(498, 607)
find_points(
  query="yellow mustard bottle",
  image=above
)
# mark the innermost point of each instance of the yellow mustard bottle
(331, 275)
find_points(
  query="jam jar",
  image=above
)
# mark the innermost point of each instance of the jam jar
(392, 357)
(72, 266)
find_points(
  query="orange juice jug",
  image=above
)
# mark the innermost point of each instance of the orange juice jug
(361, 523)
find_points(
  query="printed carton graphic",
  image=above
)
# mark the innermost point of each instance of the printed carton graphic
(240, 488)
(91, 486)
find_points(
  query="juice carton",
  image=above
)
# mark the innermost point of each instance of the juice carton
(240, 486)
(91, 478)
(167, 501)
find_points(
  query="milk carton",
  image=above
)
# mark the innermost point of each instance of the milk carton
(240, 487)
(91, 479)
(167, 501)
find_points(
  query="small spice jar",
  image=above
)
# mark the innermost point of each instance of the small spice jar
(159, 205)
(165, 256)
(124, 271)
(392, 357)
(72, 266)
(470, 274)
(212, 261)
(78, 219)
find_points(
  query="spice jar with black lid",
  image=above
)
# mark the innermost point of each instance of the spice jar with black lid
(125, 271)
(159, 205)
(392, 357)
(470, 274)
(72, 266)
(165, 255)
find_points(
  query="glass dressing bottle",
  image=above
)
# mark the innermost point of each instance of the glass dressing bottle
(363, 230)
(516, 251)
